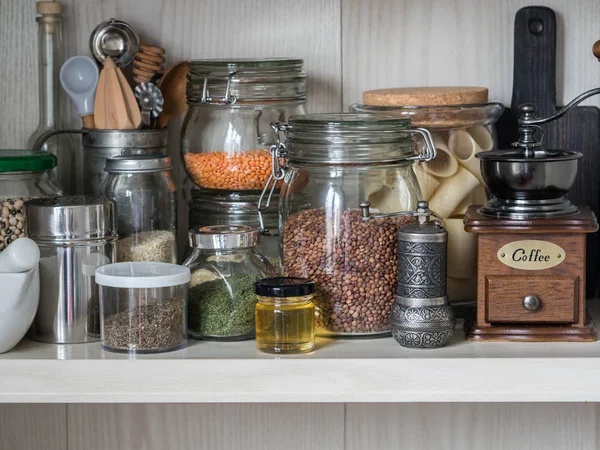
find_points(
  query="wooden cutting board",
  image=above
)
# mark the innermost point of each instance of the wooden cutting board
(534, 81)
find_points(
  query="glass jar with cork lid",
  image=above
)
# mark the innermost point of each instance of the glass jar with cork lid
(461, 121)
(226, 132)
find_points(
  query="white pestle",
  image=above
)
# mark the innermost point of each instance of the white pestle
(79, 78)
(21, 255)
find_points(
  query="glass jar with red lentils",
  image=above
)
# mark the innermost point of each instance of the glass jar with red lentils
(226, 134)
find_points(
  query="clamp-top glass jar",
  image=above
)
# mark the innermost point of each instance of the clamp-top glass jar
(335, 162)
(224, 265)
(208, 208)
(226, 132)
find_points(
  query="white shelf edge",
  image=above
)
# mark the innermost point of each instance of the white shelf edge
(298, 380)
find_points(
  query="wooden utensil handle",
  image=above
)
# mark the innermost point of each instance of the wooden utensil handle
(596, 49)
(534, 78)
(88, 121)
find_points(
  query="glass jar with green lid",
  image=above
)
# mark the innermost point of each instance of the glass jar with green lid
(24, 175)
(226, 132)
(338, 166)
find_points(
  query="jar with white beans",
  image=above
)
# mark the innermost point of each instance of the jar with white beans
(461, 122)
(24, 175)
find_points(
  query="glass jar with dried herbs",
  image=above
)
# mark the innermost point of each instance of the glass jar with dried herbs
(224, 264)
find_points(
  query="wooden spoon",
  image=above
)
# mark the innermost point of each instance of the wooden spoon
(173, 87)
(115, 106)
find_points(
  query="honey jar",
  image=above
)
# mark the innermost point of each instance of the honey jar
(285, 315)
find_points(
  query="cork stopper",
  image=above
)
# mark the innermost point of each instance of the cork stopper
(49, 8)
(426, 96)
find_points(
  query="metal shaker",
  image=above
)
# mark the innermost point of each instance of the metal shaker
(75, 235)
(421, 316)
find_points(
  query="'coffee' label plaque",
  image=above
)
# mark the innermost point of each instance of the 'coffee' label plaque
(531, 255)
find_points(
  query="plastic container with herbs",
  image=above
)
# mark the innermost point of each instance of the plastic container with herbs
(143, 306)
(224, 264)
(226, 132)
(461, 122)
(24, 175)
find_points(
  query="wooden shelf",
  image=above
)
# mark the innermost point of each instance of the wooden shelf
(376, 370)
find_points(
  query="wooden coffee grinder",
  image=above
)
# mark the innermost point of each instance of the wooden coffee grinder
(531, 242)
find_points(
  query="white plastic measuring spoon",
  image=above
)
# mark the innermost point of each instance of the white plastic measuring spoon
(79, 78)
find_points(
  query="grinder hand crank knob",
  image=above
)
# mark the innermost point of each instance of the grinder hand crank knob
(596, 49)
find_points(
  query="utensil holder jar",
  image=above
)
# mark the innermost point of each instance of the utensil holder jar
(98, 145)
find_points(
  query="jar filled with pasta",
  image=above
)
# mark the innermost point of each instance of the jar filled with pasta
(337, 164)
(461, 123)
(226, 132)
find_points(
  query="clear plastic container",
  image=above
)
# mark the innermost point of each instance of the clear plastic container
(208, 208)
(145, 197)
(224, 264)
(24, 175)
(452, 181)
(226, 132)
(285, 315)
(143, 306)
(335, 163)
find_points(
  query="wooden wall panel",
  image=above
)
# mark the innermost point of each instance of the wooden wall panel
(471, 426)
(33, 427)
(390, 43)
(188, 29)
(214, 427)
(18, 74)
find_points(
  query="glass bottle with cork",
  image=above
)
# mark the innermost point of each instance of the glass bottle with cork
(50, 59)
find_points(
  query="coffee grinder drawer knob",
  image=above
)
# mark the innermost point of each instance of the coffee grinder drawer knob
(531, 302)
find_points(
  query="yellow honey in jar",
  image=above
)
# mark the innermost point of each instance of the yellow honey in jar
(285, 315)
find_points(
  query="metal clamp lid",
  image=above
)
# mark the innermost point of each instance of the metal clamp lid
(222, 101)
(279, 158)
(223, 237)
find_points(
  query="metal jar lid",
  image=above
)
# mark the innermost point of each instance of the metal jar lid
(71, 218)
(116, 39)
(138, 164)
(230, 203)
(224, 237)
(238, 81)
